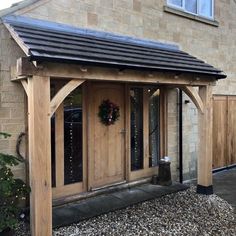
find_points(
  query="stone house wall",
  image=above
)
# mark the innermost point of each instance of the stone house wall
(143, 19)
(12, 98)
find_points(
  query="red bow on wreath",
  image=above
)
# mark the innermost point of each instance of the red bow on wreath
(109, 112)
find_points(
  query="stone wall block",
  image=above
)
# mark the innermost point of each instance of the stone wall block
(92, 19)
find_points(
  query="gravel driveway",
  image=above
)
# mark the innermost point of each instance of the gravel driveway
(183, 213)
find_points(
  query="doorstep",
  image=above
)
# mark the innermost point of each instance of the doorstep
(95, 206)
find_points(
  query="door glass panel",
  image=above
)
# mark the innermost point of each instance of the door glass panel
(191, 6)
(154, 126)
(136, 123)
(73, 137)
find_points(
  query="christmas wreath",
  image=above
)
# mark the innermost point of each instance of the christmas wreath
(109, 112)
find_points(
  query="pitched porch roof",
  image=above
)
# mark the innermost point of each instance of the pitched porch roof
(49, 41)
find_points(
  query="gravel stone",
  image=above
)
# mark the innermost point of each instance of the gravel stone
(182, 213)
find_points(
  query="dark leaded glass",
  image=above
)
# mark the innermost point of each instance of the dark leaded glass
(136, 119)
(154, 126)
(73, 137)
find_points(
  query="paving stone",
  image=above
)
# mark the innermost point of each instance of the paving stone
(63, 216)
(132, 196)
(154, 190)
(158, 191)
(103, 204)
(96, 206)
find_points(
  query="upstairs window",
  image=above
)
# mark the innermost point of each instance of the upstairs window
(202, 8)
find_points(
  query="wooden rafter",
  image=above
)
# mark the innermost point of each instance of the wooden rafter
(194, 96)
(62, 93)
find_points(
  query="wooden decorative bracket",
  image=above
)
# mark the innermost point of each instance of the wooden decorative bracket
(194, 96)
(25, 86)
(62, 93)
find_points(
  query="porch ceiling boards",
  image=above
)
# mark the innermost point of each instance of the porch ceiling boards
(48, 41)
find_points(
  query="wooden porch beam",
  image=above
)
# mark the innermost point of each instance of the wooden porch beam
(194, 96)
(40, 155)
(72, 71)
(204, 173)
(63, 93)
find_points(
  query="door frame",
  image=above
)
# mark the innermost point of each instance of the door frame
(78, 188)
(146, 171)
(61, 190)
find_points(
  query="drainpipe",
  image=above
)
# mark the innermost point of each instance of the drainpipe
(180, 136)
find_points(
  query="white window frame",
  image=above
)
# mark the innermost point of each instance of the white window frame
(182, 8)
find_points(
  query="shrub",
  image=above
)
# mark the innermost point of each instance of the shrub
(12, 191)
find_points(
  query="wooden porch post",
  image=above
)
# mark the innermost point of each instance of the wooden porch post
(40, 156)
(204, 179)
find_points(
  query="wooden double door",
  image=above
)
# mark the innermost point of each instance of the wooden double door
(224, 131)
(106, 149)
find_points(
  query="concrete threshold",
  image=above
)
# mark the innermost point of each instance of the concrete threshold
(101, 204)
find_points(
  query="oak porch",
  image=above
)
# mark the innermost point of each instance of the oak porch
(36, 82)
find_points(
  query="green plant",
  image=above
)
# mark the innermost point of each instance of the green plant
(12, 191)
